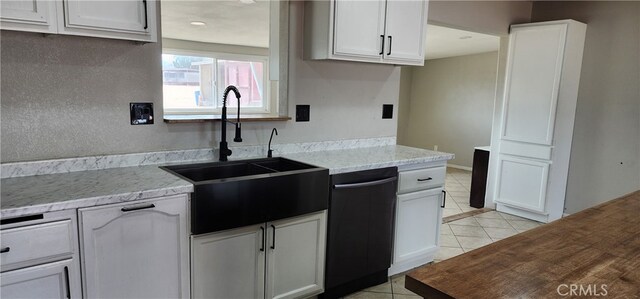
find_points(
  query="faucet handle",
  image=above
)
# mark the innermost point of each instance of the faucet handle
(238, 138)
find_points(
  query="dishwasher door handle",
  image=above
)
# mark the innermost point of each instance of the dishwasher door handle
(365, 184)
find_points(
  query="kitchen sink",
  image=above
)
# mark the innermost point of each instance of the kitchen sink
(233, 194)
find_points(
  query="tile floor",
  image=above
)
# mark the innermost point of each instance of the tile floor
(457, 185)
(456, 237)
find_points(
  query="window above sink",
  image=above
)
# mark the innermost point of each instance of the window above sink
(208, 45)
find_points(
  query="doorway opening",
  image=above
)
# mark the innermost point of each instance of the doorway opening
(447, 104)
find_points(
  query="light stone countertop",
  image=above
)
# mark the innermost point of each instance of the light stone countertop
(54, 192)
(348, 160)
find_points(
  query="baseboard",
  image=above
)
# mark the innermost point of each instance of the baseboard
(459, 167)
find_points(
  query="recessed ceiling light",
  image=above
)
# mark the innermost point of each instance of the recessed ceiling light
(198, 23)
(247, 1)
(465, 37)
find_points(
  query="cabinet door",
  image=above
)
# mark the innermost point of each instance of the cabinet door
(50, 280)
(418, 221)
(359, 30)
(29, 15)
(295, 263)
(125, 19)
(229, 264)
(405, 32)
(136, 250)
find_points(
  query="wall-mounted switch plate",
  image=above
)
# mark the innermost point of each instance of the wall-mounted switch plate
(302, 112)
(387, 111)
(141, 113)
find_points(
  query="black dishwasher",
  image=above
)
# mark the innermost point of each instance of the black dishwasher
(360, 234)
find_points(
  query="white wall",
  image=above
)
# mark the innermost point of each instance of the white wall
(65, 96)
(450, 105)
(605, 154)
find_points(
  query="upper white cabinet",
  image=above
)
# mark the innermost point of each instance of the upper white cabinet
(33, 16)
(128, 19)
(123, 19)
(136, 250)
(390, 31)
(280, 259)
(533, 146)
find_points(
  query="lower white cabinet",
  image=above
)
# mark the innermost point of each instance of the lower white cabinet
(417, 228)
(49, 280)
(136, 250)
(279, 259)
(40, 256)
(418, 216)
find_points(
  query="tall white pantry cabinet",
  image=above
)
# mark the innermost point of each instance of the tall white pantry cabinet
(530, 168)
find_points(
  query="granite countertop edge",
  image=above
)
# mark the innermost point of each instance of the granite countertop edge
(54, 197)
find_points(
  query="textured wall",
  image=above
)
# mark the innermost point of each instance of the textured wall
(605, 154)
(451, 105)
(65, 96)
(490, 17)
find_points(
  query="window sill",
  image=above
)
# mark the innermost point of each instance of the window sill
(177, 118)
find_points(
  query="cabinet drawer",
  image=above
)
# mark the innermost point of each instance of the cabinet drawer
(29, 245)
(421, 179)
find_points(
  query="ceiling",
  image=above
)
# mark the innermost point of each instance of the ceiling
(447, 42)
(240, 22)
(233, 22)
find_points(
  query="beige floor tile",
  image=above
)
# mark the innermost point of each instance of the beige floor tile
(398, 287)
(450, 212)
(449, 241)
(489, 215)
(461, 194)
(400, 296)
(369, 295)
(509, 216)
(473, 242)
(466, 221)
(450, 204)
(381, 288)
(524, 224)
(447, 253)
(487, 222)
(445, 229)
(455, 188)
(458, 199)
(466, 208)
(500, 233)
(468, 231)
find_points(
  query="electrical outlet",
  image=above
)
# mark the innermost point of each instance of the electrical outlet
(387, 111)
(435, 148)
(141, 113)
(302, 112)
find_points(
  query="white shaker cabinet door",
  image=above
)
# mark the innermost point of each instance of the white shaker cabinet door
(405, 32)
(136, 250)
(229, 264)
(50, 280)
(359, 29)
(418, 219)
(29, 15)
(126, 19)
(295, 263)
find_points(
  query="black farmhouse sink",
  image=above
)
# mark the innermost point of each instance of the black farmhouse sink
(239, 193)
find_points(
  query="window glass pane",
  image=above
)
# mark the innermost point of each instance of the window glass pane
(248, 77)
(188, 81)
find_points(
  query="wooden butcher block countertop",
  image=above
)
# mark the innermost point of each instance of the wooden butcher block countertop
(596, 252)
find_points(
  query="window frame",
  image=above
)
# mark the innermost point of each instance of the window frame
(269, 105)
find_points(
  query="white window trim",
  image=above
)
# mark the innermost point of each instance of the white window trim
(270, 105)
